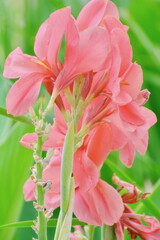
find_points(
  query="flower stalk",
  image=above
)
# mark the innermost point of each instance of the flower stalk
(67, 187)
(107, 232)
(37, 177)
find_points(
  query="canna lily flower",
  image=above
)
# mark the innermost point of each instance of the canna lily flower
(89, 191)
(85, 51)
(106, 121)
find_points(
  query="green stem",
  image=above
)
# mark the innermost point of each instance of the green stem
(66, 169)
(67, 222)
(91, 232)
(22, 119)
(42, 222)
(67, 187)
(107, 233)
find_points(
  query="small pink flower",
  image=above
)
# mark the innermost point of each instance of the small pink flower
(134, 222)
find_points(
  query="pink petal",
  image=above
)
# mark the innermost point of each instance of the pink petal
(112, 10)
(73, 237)
(52, 200)
(56, 27)
(119, 139)
(101, 205)
(127, 154)
(52, 173)
(84, 210)
(108, 203)
(72, 42)
(143, 97)
(42, 39)
(131, 113)
(93, 50)
(142, 144)
(102, 138)
(114, 83)
(28, 139)
(85, 171)
(133, 80)
(28, 190)
(55, 139)
(23, 94)
(91, 14)
(149, 117)
(122, 98)
(19, 64)
(49, 37)
(111, 22)
(125, 49)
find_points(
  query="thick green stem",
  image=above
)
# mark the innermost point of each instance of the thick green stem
(42, 222)
(91, 232)
(107, 233)
(66, 169)
(67, 187)
(67, 222)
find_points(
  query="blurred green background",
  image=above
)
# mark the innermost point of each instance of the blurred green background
(19, 22)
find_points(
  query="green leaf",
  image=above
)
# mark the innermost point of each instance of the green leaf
(22, 119)
(51, 223)
(15, 161)
(142, 37)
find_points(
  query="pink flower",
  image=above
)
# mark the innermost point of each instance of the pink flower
(107, 120)
(85, 51)
(134, 222)
(96, 202)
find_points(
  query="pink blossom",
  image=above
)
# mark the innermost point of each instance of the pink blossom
(107, 120)
(96, 202)
(85, 51)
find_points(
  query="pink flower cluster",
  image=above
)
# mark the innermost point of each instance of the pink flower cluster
(99, 54)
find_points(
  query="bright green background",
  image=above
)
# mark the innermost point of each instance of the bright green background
(19, 22)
